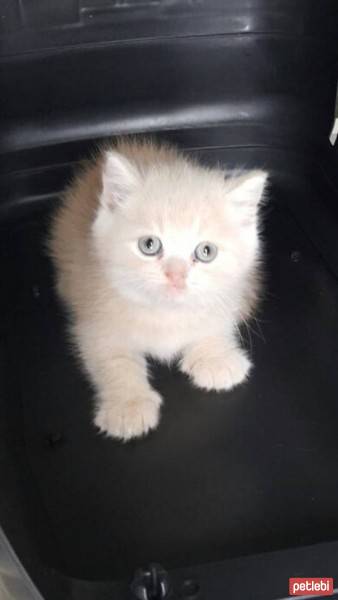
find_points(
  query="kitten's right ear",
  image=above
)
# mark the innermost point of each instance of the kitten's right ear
(245, 194)
(119, 177)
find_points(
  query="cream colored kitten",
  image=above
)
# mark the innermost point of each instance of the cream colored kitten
(156, 255)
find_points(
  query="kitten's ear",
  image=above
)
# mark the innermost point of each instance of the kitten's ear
(245, 194)
(119, 177)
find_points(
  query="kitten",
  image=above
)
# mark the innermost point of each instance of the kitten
(156, 256)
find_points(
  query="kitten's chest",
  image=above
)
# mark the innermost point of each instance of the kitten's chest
(165, 335)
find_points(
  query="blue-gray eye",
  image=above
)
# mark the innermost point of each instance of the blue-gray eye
(150, 245)
(205, 252)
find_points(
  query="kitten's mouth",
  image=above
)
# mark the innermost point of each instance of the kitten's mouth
(177, 288)
(174, 291)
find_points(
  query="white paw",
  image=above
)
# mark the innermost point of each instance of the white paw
(217, 373)
(129, 418)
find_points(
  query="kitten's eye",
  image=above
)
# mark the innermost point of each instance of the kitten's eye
(150, 245)
(206, 252)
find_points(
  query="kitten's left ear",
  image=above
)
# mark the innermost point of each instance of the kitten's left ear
(245, 193)
(119, 177)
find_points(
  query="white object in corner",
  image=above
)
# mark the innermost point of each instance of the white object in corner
(334, 132)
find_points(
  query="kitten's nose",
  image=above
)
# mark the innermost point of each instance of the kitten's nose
(176, 272)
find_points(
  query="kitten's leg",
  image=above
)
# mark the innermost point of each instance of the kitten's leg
(215, 363)
(127, 406)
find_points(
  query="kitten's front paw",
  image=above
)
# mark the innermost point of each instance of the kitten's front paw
(131, 418)
(217, 373)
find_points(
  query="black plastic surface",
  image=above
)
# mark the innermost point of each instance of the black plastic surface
(247, 82)
(224, 475)
(245, 62)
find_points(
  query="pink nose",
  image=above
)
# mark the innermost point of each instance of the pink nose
(176, 273)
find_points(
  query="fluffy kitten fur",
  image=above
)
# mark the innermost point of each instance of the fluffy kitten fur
(125, 305)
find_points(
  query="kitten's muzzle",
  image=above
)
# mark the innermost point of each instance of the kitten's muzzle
(176, 271)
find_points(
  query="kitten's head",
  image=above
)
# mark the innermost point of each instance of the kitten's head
(172, 232)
